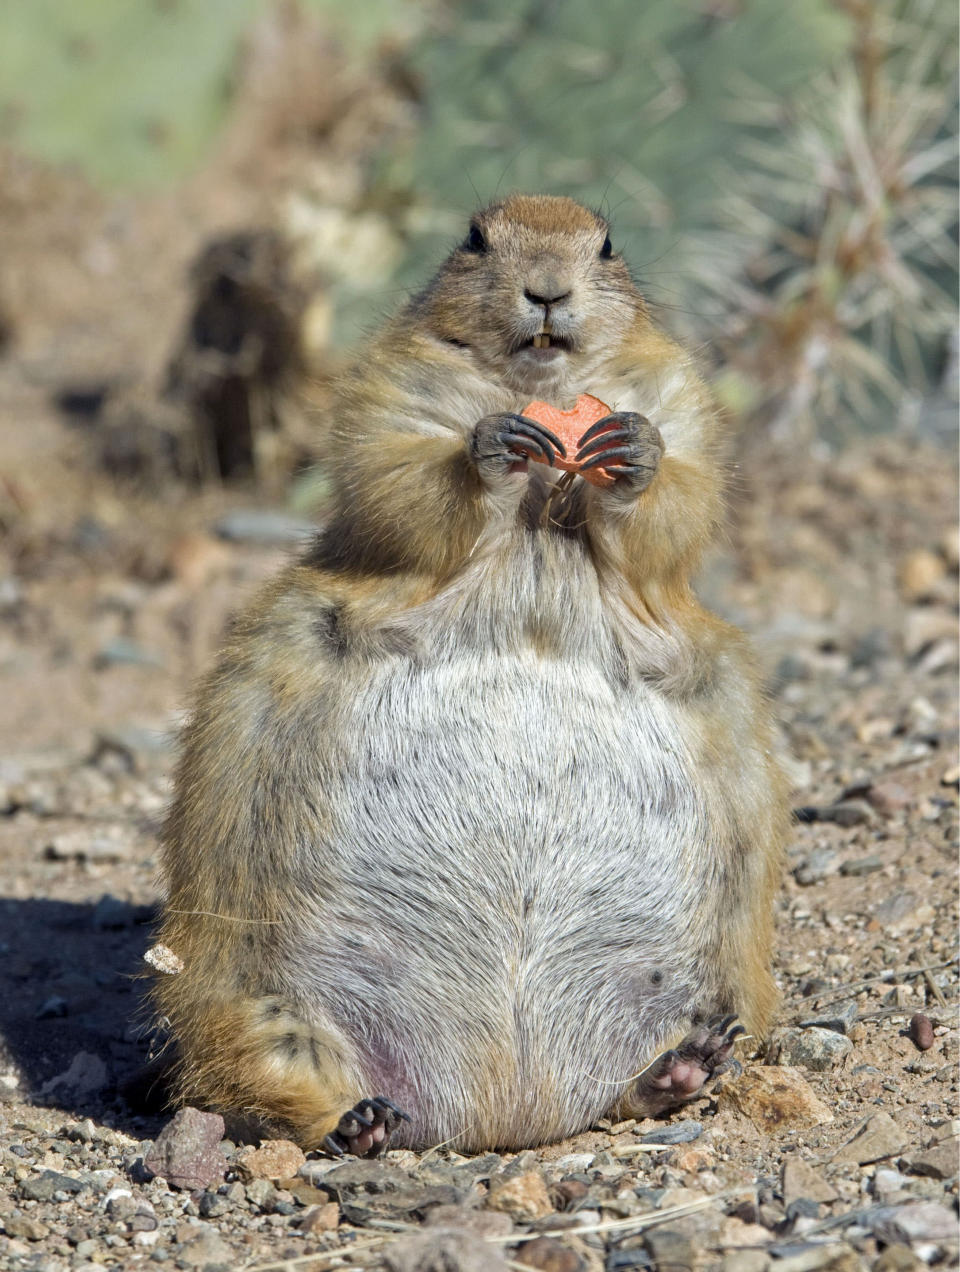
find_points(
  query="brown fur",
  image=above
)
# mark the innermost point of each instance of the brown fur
(413, 518)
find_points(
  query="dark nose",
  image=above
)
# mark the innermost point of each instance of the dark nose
(548, 293)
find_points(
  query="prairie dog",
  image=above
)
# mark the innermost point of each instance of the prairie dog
(477, 812)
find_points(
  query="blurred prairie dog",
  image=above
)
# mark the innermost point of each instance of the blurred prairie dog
(477, 811)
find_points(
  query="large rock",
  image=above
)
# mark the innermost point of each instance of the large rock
(938, 1161)
(925, 1221)
(443, 1250)
(522, 1197)
(274, 1159)
(801, 1180)
(878, 1138)
(812, 1048)
(774, 1097)
(187, 1151)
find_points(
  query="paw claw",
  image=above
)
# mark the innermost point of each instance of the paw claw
(604, 457)
(365, 1130)
(499, 440)
(681, 1073)
(391, 1115)
(625, 444)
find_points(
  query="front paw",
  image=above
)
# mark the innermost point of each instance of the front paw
(505, 443)
(626, 446)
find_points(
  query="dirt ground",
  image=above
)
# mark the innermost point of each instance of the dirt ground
(836, 1148)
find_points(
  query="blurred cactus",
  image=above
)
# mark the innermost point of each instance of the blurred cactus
(835, 265)
(620, 105)
(130, 93)
(783, 181)
(134, 94)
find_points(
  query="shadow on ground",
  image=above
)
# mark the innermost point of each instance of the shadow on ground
(74, 1026)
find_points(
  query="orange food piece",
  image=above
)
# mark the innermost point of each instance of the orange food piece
(570, 426)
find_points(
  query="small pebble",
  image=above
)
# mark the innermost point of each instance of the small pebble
(816, 866)
(850, 812)
(321, 1218)
(921, 1031)
(548, 1255)
(274, 1159)
(861, 866)
(567, 1192)
(840, 1019)
(52, 1008)
(523, 1197)
(678, 1133)
(24, 1227)
(121, 652)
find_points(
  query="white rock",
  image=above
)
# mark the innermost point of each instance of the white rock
(112, 1195)
(573, 1163)
(163, 959)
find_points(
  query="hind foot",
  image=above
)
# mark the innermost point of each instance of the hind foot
(365, 1129)
(680, 1074)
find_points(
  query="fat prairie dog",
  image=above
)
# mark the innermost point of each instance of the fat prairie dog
(477, 812)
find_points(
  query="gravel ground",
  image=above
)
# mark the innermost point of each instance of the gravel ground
(836, 1147)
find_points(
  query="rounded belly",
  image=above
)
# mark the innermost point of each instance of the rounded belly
(510, 938)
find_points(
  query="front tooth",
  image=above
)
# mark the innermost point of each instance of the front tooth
(538, 342)
(544, 341)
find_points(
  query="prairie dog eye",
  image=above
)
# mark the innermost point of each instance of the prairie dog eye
(475, 242)
(606, 251)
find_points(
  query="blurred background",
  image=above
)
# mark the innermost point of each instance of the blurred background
(207, 205)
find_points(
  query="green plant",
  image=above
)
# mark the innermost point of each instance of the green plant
(834, 263)
(621, 105)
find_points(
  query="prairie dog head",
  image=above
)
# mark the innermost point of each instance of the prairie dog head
(536, 293)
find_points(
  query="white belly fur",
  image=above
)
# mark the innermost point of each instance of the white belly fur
(514, 838)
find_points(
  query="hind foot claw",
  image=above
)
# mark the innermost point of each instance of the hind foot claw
(681, 1073)
(365, 1129)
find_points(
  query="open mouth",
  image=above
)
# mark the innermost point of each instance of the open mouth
(548, 341)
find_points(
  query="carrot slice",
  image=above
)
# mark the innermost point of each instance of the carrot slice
(570, 426)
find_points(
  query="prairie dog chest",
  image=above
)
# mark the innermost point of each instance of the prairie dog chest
(536, 591)
(520, 732)
(523, 677)
(516, 756)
